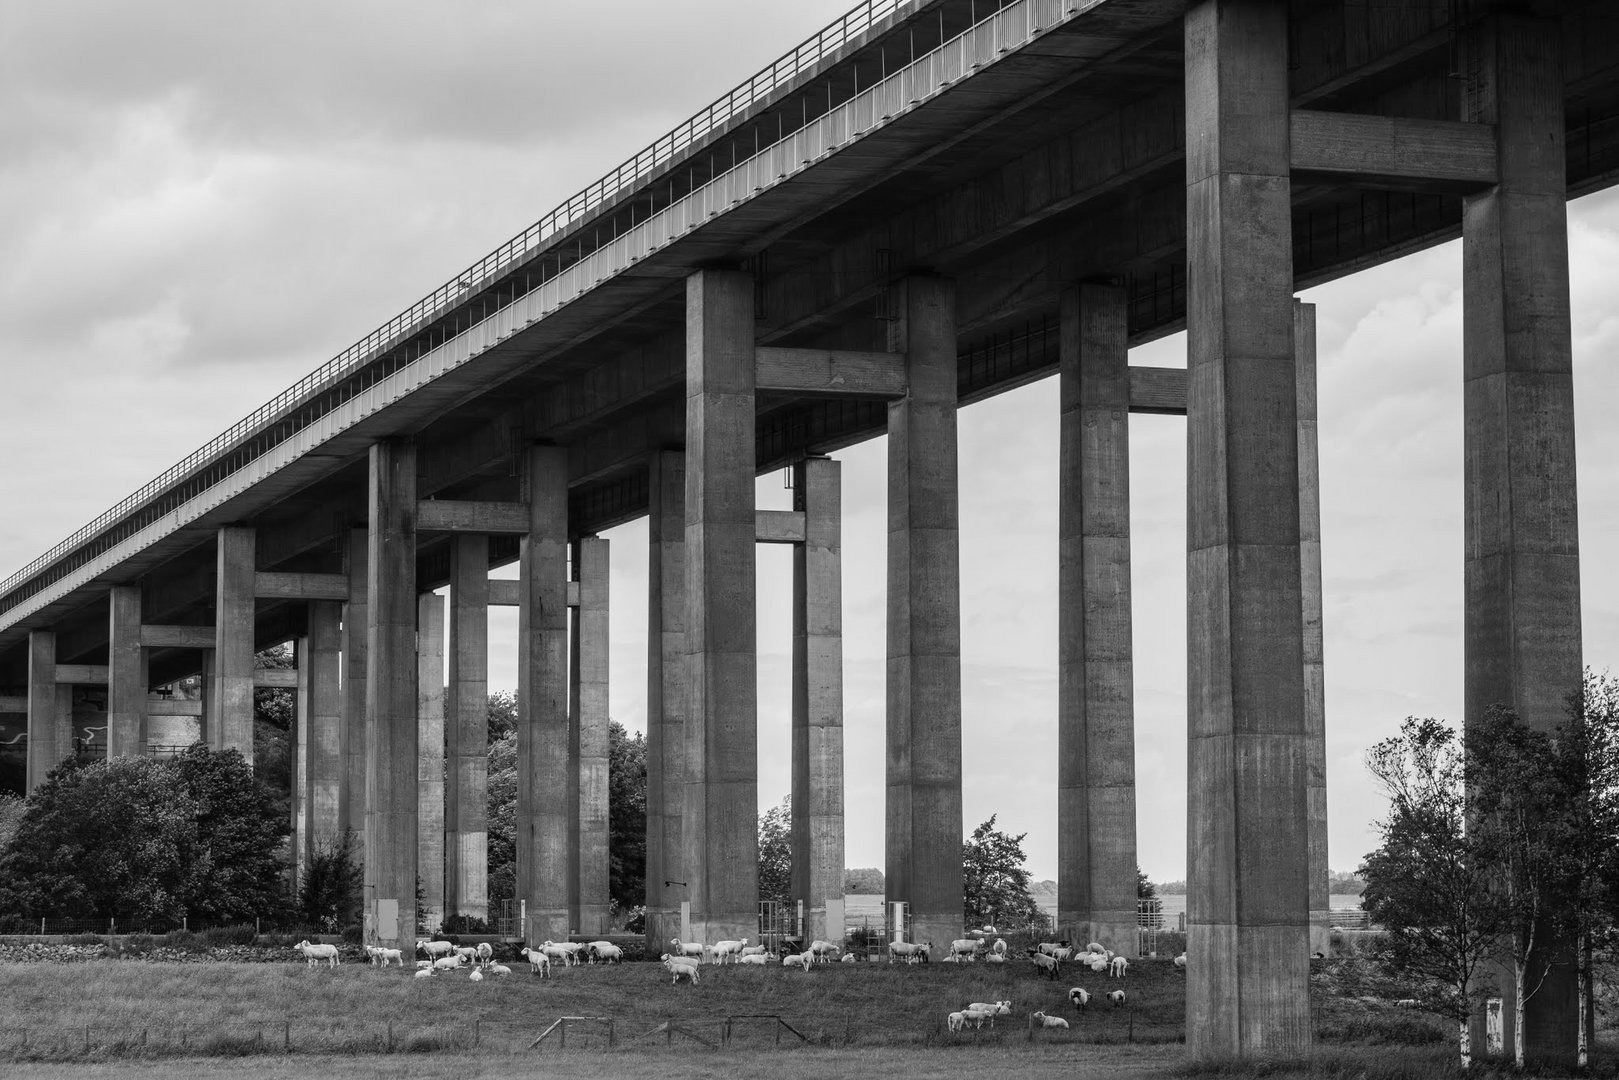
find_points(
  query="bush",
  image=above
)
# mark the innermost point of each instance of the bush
(186, 941)
(84, 939)
(353, 934)
(465, 924)
(238, 934)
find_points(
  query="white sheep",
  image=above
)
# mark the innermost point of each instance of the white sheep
(1180, 961)
(1000, 947)
(909, 951)
(688, 948)
(967, 947)
(562, 952)
(991, 1009)
(1079, 996)
(994, 958)
(755, 950)
(1050, 1021)
(822, 950)
(486, 952)
(680, 967)
(976, 1017)
(1095, 946)
(1098, 963)
(758, 959)
(423, 965)
(951, 958)
(499, 969)
(1117, 998)
(434, 949)
(476, 976)
(1050, 947)
(803, 960)
(722, 949)
(605, 951)
(1062, 952)
(538, 963)
(849, 958)
(957, 1020)
(315, 953)
(447, 963)
(467, 953)
(1046, 965)
(1119, 965)
(424, 973)
(397, 956)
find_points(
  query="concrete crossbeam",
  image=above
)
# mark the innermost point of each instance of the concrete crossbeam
(1445, 155)
(268, 585)
(466, 814)
(82, 674)
(665, 694)
(230, 704)
(46, 720)
(1247, 842)
(588, 741)
(430, 721)
(174, 707)
(126, 674)
(1096, 788)
(275, 678)
(779, 527)
(504, 592)
(924, 809)
(720, 846)
(391, 867)
(14, 703)
(830, 372)
(177, 637)
(1156, 390)
(450, 515)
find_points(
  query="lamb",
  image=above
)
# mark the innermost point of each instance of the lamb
(680, 967)
(315, 953)
(803, 960)
(909, 951)
(822, 950)
(1046, 965)
(538, 963)
(476, 976)
(1062, 952)
(564, 952)
(995, 958)
(758, 959)
(976, 1017)
(689, 948)
(605, 951)
(424, 973)
(434, 949)
(467, 953)
(1098, 963)
(1095, 946)
(849, 958)
(1000, 947)
(424, 964)
(956, 1020)
(754, 950)
(1119, 965)
(486, 952)
(1050, 947)
(448, 963)
(992, 1009)
(1079, 996)
(1180, 961)
(573, 949)
(499, 969)
(721, 949)
(952, 958)
(1117, 998)
(967, 947)
(1050, 1021)
(383, 956)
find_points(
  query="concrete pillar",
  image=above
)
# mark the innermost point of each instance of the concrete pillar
(430, 756)
(46, 720)
(544, 869)
(817, 826)
(1247, 842)
(720, 846)
(126, 675)
(64, 730)
(318, 656)
(351, 731)
(924, 822)
(466, 812)
(232, 699)
(587, 741)
(1522, 575)
(390, 700)
(666, 695)
(1315, 695)
(299, 736)
(1096, 762)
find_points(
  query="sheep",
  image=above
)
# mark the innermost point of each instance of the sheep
(433, 949)
(499, 969)
(1050, 947)
(424, 973)
(1000, 947)
(967, 947)
(977, 1017)
(909, 951)
(956, 1020)
(423, 965)
(822, 950)
(1079, 996)
(722, 949)
(1117, 998)
(538, 963)
(991, 1009)
(605, 951)
(315, 953)
(381, 956)
(952, 958)
(486, 952)
(476, 976)
(572, 948)
(1119, 965)
(755, 950)
(1045, 965)
(1062, 952)
(680, 967)
(758, 959)
(467, 953)
(1050, 1021)
(995, 958)
(849, 958)
(1180, 961)
(1098, 963)
(689, 948)
(564, 952)
(1095, 946)
(448, 963)
(803, 960)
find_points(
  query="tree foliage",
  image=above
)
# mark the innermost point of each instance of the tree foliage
(332, 888)
(240, 827)
(995, 883)
(626, 808)
(776, 852)
(502, 713)
(865, 880)
(502, 825)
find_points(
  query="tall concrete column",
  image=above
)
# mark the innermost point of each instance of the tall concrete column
(924, 822)
(466, 802)
(390, 700)
(666, 694)
(232, 699)
(318, 656)
(430, 756)
(1096, 762)
(126, 675)
(45, 716)
(351, 732)
(1315, 691)
(587, 741)
(544, 869)
(720, 846)
(817, 826)
(1522, 576)
(299, 737)
(1247, 841)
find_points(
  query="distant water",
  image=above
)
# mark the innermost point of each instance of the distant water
(858, 906)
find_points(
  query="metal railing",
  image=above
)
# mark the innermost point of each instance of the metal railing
(960, 54)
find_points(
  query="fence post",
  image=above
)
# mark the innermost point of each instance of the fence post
(1030, 1036)
(564, 1037)
(477, 1036)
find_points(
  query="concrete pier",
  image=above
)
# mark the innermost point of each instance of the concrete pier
(126, 674)
(1522, 576)
(544, 871)
(466, 813)
(356, 617)
(588, 907)
(666, 690)
(298, 738)
(430, 756)
(1315, 690)
(817, 826)
(318, 668)
(720, 846)
(45, 716)
(231, 725)
(1096, 765)
(924, 823)
(390, 701)
(1247, 838)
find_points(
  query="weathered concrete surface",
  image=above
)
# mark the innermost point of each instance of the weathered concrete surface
(543, 866)
(318, 663)
(126, 675)
(1315, 690)
(1096, 765)
(1522, 575)
(298, 737)
(720, 846)
(1247, 838)
(666, 694)
(356, 616)
(430, 756)
(466, 812)
(587, 740)
(232, 699)
(46, 719)
(390, 700)
(924, 825)
(817, 825)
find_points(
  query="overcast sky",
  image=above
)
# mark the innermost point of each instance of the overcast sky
(202, 201)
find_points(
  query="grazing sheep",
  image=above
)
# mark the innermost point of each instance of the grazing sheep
(956, 1020)
(803, 960)
(467, 953)
(605, 951)
(424, 973)
(560, 952)
(976, 1017)
(476, 976)
(434, 949)
(1050, 947)
(538, 963)
(909, 951)
(1095, 946)
(992, 1009)
(1063, 952)
(1119, 965)
(1050, 1021)
(573, 949)
(822, 951)
(1117, 998)
(448, 963)
(758, 959)
(316, 953)
(1000, 947)
(499, 969)
(1080, 997)
(689, 948)
(967, 947)
(680, 967)
(755, 950)
(1180, 961)
(722, 949)
(1046, 965)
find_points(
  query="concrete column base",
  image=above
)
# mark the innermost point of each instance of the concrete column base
(1321, 932)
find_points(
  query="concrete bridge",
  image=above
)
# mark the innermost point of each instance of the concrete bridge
(925, 205)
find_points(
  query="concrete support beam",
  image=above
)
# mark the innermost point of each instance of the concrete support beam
(830, 372)
(504, 592)
(126, 675)
(817, 824)
(17, 703)
(666, 694)
(321, 727)
(720, 846)
(1160, 391)
(231, 702)
(543, 863)
(779, 527)
(277, 586)
(1522, 575)
(1444, 155)
(390, 700)
(430, 756)
(1315, 694)
(352, 732)
(82, 674)
(924, 823)
(177, 637)
(1247, 842)
(466, 814)
(449, 515)
(46, 721)
(1096, 763)
(275, 678)
(174, 707)
(588, 907)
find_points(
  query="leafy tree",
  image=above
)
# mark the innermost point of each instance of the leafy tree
(11, 811)
(275, 726)
(995, 883)
(502, 711)
(1593, 739)
(240, 828)
(1145, 889)
(626, 816)
(867, 881)
(776, 852)
(333, 885)
(502, 795)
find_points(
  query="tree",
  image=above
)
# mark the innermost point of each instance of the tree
(502, 825)
(275, 726)
(240, 828)
(866, 881)
(1594, 738)
(333, 884)
(626, 816)
(995, 884)
(776, 852)
(1145, 889)
(502, 712)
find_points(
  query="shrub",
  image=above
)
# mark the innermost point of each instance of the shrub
(464, 924)
(84, 939)
(186, 941)
(353, 934)
(237, 934)
(132, 945)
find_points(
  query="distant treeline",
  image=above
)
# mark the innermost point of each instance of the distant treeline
(1339, 883)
